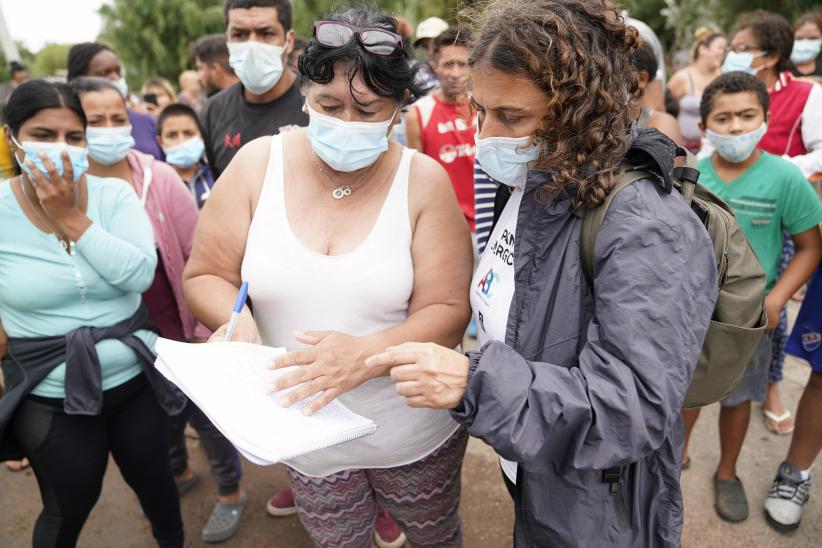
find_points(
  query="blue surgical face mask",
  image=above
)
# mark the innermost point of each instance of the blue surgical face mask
(259, 66)
(506, 159)
(109, 145)
(347, 146)
(737, 148)
(32, 150)
(741, 62)
(805, 50)
(185, 154)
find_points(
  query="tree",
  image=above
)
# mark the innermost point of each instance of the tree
(676, 20)
(49, 60)
(154, 37)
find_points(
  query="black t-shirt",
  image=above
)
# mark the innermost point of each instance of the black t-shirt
(229, 121)
(817, 71)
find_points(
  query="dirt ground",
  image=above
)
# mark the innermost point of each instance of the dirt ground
(486, 509)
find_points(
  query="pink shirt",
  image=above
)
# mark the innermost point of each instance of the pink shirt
(173, 215)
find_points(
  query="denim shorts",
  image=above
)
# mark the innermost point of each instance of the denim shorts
(754, 383)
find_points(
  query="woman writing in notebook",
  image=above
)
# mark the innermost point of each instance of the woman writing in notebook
(350, 244)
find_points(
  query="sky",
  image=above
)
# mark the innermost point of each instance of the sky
(37, 22)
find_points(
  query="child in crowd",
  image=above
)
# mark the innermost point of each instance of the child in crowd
(769, 195)
(792, 485)
(181, 138)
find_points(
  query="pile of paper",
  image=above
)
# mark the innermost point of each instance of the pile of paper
(228, 381)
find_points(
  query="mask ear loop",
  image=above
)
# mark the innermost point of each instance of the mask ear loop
(19, 147)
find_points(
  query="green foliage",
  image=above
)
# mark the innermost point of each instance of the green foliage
(154, 37)
(676, 20)
(49, 60)
(308, 11)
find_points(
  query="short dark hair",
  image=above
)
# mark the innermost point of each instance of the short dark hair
(812, 17)
(80, 56)
(93, 84)
(177, 109)
(733, 82)
(453, 36)
(644, 59)
(284, 9)
(212, 48)
(15, 67)
(386, 75)
(773, 32)
(35, 95)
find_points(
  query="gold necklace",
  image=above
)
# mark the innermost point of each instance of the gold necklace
(342, 191)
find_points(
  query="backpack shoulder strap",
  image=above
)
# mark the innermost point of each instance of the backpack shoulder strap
(593, 219)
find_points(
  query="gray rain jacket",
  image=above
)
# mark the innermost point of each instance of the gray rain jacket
(588, 382)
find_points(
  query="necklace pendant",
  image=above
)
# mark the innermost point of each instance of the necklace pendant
(341, 192)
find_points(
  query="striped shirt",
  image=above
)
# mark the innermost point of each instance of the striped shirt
(485, 190)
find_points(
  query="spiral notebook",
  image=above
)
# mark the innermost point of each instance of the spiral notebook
(228, 381)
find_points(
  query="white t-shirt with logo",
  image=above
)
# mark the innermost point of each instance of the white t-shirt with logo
(492, 288)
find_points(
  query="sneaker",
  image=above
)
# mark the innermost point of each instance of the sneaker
(783, 507)
(387, 533)
(282, 504)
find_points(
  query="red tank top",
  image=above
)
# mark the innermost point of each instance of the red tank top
(448, 137)
(784, 135)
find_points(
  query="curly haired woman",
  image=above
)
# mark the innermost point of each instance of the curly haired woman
(578, 388)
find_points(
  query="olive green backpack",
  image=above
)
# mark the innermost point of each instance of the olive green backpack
(739, 319)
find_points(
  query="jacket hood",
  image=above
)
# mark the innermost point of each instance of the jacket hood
(652, 151)
(649, 150)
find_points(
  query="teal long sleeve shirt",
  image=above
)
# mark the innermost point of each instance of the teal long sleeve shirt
(45, 291)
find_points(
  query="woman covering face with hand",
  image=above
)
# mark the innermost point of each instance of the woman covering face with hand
(76, 253)
(578, 387)
(350, 244)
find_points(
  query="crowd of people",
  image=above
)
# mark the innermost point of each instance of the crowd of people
(386, 192)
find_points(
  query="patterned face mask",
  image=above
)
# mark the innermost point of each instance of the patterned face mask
(737, 148)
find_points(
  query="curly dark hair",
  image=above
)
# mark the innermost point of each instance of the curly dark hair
(386, 75)
(733, 82)
(773, 32)
(579, 53)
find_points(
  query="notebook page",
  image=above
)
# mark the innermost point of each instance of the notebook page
(228, 382)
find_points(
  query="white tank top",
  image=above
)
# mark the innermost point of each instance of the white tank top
(359, 293)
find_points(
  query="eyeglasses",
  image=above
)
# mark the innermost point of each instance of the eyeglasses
(745, 48)
(333, 34)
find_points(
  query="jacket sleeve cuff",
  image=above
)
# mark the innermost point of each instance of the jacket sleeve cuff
(461, 413)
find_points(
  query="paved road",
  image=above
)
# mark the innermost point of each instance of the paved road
(487, 513)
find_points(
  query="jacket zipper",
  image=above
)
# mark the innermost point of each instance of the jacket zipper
(613, 477)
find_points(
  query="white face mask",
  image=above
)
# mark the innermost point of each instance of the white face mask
(259, 66)
(347, 146)
(506, 159)
(805, 50)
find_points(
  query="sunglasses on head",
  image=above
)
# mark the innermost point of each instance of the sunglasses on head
(377, 41)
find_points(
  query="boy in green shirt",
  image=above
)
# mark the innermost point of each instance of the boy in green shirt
(769, 196)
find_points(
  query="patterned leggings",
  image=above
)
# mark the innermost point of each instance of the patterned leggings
(423, 497)
(780, 334)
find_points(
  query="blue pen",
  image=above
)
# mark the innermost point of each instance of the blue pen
(235, 313)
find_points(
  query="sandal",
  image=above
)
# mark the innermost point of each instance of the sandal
(774, 422)
(686, 463)
(185, 485)
(17, 465)
(224, 521)
(729, 500)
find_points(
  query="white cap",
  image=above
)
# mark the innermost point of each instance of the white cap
(430, 28)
